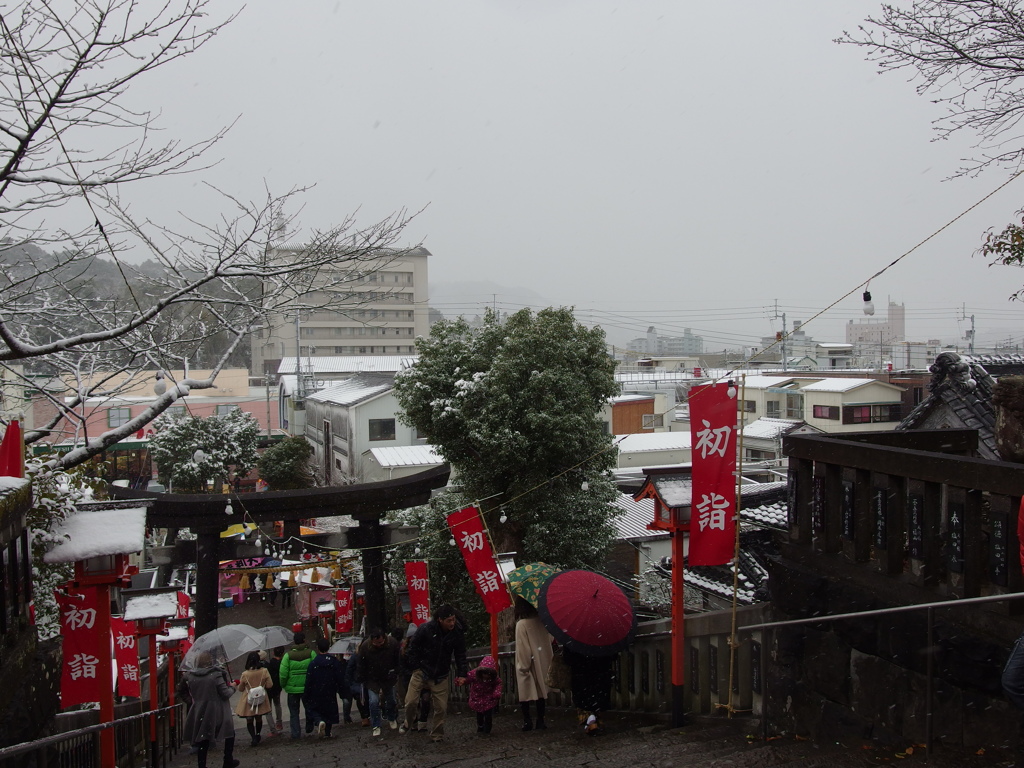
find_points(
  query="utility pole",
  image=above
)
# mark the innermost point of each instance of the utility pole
(969, 334)
(784, 334)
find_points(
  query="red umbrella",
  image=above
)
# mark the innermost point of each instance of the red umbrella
(587, 613)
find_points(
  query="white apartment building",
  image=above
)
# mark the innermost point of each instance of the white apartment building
(872, 339)
(385, 309)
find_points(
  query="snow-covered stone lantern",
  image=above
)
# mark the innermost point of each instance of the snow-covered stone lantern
(671, 488)
(150, 609)
(98, 542)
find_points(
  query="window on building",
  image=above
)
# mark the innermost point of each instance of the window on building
(826, 412)
(772, 408)
(224, 410)
(794, 406)
(382, 429)
(653, 420)
(117, 417)
(871, 414)
(176, 411)
(748, 406)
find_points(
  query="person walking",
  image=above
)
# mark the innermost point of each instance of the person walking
(533, 658)
(293, 680)
(354, 691)
(591, 687)
(274, 668)
(430, 654)
(255, 684)
(484, 692)
(378, 664)
(325, 681)
(209, 718)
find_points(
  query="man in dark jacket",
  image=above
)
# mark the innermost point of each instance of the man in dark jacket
(293, 680)
(378, 669)
(325, 680)
(274, 668)
(430, 654)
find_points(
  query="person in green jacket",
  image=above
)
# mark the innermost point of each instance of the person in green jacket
(293, 681)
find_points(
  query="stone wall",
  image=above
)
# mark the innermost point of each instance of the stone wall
(865, 679)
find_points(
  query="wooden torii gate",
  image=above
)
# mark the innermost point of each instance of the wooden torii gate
(205, 515)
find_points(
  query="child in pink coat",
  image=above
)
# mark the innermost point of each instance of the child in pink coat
(484, 692)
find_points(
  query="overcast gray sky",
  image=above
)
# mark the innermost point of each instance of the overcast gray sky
(677, 164)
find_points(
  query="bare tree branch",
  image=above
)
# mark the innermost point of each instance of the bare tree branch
(969, 56)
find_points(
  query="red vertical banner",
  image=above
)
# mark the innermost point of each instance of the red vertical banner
(126, 653)
(184, 612)
(419, 591)
(468, 529)
(80, 683)
(344, 604)
(713, 497)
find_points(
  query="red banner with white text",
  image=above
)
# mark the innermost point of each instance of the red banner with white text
(419, 591)
(185, 612)
(468, 529)
(713, 495)
(80, 683)
(126, 654)
(344, 604)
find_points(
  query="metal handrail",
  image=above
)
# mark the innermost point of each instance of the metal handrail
(57, 738)
(929, 641)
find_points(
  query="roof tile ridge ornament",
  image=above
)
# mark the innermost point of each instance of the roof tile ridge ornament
(950, 368)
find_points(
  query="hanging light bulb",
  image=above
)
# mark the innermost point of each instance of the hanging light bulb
(584, 486)
(199, 456)
(258, 542)
(451, 542)
(228, 509)
(417, 550)
(869, 306)
(504, 517)
(160, 386)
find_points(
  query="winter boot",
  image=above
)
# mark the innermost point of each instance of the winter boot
(229, 750)
(541, 725)
(524, 707)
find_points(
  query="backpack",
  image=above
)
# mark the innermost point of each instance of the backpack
(256, 696)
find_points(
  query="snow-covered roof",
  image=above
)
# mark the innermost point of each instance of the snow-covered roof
(842, 385)
(351, 392)
(834, 345)
(769, 428)
(173, 633)
(406, 456)
(630, 398)
(347, 364)
(767, 515)
(764, 382)
(632, 523)
(162, 605)
(653, 441)
(99, 532)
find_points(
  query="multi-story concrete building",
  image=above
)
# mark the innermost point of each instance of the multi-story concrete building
(673, 346)
(873, 340)
(384, 310)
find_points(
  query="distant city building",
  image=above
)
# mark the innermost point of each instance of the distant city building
(386, 309)
(667, 346)
(873, 340)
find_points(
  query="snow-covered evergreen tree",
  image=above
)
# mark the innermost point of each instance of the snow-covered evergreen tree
(514, 406)
(227, 444)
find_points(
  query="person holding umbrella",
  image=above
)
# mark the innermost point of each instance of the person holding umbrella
(533, 657)
(593, 619)
(209, 718)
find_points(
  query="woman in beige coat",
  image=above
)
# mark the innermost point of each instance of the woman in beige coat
(533, 657)
(255, 674)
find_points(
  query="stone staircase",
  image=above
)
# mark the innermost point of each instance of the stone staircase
(629, 740)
